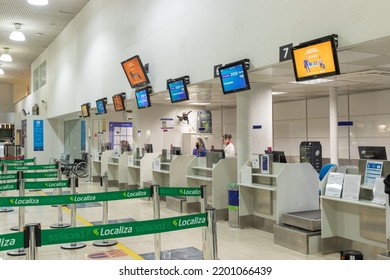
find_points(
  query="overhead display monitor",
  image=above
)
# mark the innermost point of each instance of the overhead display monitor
(135, 72)
(178, 90)
(315, 59)
(101, 106)
(234, 77)
(119, 101)
(142, 97)
(85, 110)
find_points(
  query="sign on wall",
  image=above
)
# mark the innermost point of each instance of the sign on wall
(38, 135)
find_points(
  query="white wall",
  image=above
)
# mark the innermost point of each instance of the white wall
(295, 122)
(186, 37)
(181, 38)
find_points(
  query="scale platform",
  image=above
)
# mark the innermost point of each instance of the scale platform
(309, 220)
(300, 231)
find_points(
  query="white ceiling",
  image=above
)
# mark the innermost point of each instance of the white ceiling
(364, 67)
(40, 25)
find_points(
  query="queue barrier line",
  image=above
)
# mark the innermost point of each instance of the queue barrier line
(16, 160)
(157, 190)
(91, 233)
(35, 185)
(31, 167)
(85, 222)
(30, 175)
(15, 201)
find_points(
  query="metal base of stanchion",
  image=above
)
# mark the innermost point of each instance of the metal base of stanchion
(6, 210)
(105, 243)
(72, 246)
(60, 225)
(15, 228)
(19, 252)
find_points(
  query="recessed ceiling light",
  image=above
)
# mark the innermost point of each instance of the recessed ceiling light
(278, 92)
(38, 2)
(312, 82)
(200, 103)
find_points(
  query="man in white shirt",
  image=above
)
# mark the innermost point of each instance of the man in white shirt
(229, 148)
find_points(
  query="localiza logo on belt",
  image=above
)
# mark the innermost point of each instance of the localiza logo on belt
(4, 242)
(24, 201)
(190, 192)
(112, 231)
(85, 198)
(135, 194)
(188, 222)
(57, 184)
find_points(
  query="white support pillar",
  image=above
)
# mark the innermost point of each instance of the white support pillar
(333, 102)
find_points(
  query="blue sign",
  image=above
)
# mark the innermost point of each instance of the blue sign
(83, 135)
(38, 135)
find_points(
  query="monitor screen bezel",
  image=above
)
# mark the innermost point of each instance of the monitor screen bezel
(122, 97)
(183, 80)
(85, 110)
(103, 101)
(246, 77)
(381, 149)
(136, 60)
(329, 38)
(146, 90)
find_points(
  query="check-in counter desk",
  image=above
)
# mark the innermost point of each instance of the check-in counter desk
(139, 170)
(216, 178)
(117, 170)
(263, 198)
(355, 224)
(172, 173)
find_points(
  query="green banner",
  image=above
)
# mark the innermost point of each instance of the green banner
(40, 175)
(11, 241)
(46, 185)
(8, 187)
(31, 167)
(90, 233)
(4, 177)
(22, 161)
(175, 191)
(17, 201)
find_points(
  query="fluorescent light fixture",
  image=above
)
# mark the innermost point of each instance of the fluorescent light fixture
(1, 71)
(278, 92)
(312, 82)
(17, 35)
(6, 57)
(200, 103)
(38, 2)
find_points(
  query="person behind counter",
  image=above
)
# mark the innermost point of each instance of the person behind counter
(200, 149)
(229, 148)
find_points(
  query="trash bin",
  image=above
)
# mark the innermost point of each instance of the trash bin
(351, 255)
(233, 205)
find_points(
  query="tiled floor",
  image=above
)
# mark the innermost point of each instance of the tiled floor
(233, 243)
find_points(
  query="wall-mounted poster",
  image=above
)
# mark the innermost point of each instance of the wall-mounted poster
(38, 135)
(204, 122)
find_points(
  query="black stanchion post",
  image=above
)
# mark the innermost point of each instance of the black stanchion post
(73, 183)
(5, 209)
(212, 226)
(32, 240)
(20, 185)
(205, 247)
(156, 215)
(60, 223)
(104, 242)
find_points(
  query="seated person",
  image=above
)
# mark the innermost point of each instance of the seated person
(200, 149)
